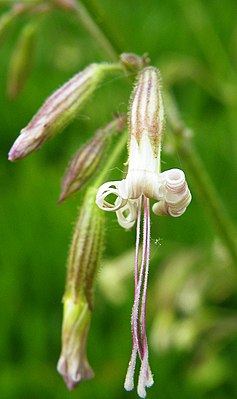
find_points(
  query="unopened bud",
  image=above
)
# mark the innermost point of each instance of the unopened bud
(73, 364)
(58, 110)
(21, 61)
(84, 257)
(133, 62)
(86, 161)
(146, 112)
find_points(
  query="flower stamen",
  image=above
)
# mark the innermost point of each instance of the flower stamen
(138, 319)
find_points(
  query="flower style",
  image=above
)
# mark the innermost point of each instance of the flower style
(143, 182)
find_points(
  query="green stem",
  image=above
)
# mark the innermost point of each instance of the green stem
(201, 180)
(105, 25)
(95, 31)
(112, 67)
(117, 150)
(209, 42)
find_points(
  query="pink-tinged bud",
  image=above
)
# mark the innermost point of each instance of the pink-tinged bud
(73, 364)
(21, 60)
(86, 161)
(58, 110)
(146, 109)
(83, 261)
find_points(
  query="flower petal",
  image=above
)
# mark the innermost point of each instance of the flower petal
(104, 191)
(177, 196)
(127, 215)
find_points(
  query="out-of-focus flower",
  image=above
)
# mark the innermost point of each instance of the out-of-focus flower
(65, 4)
(21, 60)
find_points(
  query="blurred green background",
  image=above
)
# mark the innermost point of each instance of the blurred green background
(192, 317)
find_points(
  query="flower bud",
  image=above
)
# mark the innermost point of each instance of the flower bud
(73, 364)
(133, 62)
(58, 110)
(86, 161)
(146, 112)
(83, 261)
(21, 61)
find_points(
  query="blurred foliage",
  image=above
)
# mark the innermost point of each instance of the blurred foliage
(192, 294)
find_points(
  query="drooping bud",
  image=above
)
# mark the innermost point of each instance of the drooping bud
(58, 110)
(86, 161)
(73, 364)
(83, 261)
(21, 60)
(146, 110)
(133, 62)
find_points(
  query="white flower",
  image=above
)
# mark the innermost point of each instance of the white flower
(143, 178)
(143, 182)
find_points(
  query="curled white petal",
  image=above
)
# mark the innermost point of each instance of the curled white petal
(160, 208)
(177, 196)
(104, 191)
(175, 178)
(127, 215)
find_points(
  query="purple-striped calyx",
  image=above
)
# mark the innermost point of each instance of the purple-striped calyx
(59, 110)
(86, 161)
(84, 258)
(143, 182)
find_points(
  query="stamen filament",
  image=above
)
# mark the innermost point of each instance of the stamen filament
(139, 206)
(129, 380)
(139, 307)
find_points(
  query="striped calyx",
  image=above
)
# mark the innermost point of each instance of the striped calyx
(86, 249)
(83, 261)
(88, 158)
(146, 113)
(59, 110)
